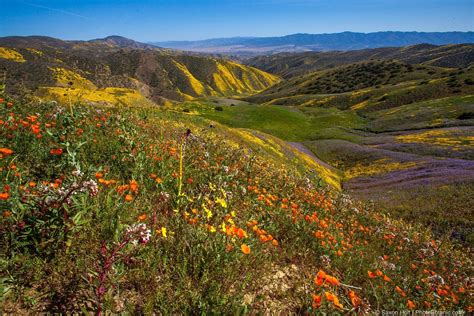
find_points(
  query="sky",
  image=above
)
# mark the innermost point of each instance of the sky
(163, 20)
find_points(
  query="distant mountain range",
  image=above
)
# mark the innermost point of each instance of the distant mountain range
(317, 42)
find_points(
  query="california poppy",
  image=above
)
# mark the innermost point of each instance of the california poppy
(333, 298)
(371, 274)
(410, 304)
(56, 151)
(355, 300)
(6, 151)
(316, 301)
(245, 249)
(128, 198)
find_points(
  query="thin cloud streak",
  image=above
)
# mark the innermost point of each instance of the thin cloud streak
(56, 10)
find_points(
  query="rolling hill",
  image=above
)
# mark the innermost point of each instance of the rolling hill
(251, 46)
(291, 65)
(345, 190)
(370, 85)
(115, 67)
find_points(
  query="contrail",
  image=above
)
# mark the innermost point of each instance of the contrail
(53, 9)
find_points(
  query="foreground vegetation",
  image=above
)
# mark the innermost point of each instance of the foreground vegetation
(139, 210)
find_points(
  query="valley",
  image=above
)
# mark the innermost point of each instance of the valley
(353, 161)
(388, 121)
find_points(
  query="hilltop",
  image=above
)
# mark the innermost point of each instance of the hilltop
(118, 70)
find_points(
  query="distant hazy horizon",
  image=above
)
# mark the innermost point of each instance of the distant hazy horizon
(167, 20)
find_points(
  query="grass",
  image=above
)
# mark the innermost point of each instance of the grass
(428, 205)
(427, 114)
(139, 210)
(289, 124)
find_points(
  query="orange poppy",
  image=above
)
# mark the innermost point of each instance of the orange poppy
(128, 198)
(410, 304)
(355, 300)
(245, 249)
(4, 196)
(6, 151)
(316, 301)
(142, 217)
(399, 290)
(333, 298)
(133, 186)
(56, 151)
(371, 274)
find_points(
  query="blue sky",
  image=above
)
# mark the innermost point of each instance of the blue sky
(158, 20)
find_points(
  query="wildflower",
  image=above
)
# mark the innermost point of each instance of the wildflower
(371, 274)
(9, 104)
(379, 273)
(355, 300)
(316, 301)
(399, 290)
(99, 175)
(142, 217)
(333, 298)
(410, 304)
(133, 186)
(7, 214)
(245, 249)
(158, 180)
(32, 184)
(222, 202)
(229, 247)
(164, 232)
(128, 198)
(386, 278)
(211, 229)
(56, 151)
(138, 233)
(322, 277)
(6, 151)
(92, 186)
(4, 196)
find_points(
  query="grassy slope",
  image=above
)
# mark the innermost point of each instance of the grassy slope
(74, 254)
(385, 158)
